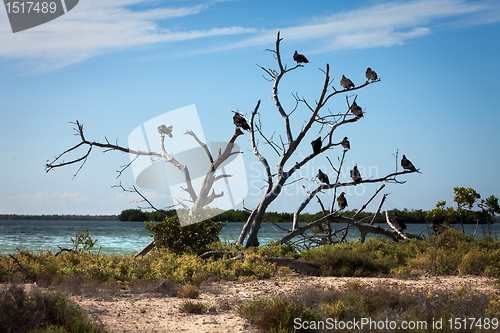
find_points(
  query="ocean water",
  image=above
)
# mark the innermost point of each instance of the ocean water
(115, 237)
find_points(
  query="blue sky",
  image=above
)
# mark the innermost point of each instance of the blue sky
(115, 64)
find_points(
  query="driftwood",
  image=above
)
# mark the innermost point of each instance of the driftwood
(146, 249)
(64, 249)
(309, 267)
(394, 228)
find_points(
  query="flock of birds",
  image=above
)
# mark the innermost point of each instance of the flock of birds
(356, 110)
(346, 83)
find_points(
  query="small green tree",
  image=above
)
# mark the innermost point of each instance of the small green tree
(465, 197)
(441, 213)
(84, 239)
(194, 238)
(489, 207)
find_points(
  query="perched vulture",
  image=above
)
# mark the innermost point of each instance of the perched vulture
(371, 75)
(345, 143)
(398, 222)
(356, 110)
(316, 144)
(346, 83)
(342, 201)
(299, 58)
(323, 177)
(407, 165)
(162, 129)
(239, 121)
(355, 175)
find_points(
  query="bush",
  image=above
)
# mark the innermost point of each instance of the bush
(195, 238)
(276, 314)
(193, 307)
(189, 291)
(38, 312)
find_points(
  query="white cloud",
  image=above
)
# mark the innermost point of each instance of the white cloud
(383, 25)
(96, 27)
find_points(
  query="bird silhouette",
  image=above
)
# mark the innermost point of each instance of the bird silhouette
(356, 110)
(346, 83)
(355, 175)
(323, 177)
(345, 143)
(371, 75)
(316, 145)
(299, 58)
(239, 121)
(342, 201)
(407, 165)
(162, 129)
(398, 222)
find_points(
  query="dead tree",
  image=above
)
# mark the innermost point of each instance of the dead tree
(196, 199)
(275, 182)
(285, 167)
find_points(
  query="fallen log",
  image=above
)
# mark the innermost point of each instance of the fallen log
(146, 249)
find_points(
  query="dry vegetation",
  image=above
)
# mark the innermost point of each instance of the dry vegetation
(446, 276)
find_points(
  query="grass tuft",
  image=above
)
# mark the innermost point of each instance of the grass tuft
(41, 312)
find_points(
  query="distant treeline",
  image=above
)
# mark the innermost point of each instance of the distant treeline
(410, 216)
(57, 217)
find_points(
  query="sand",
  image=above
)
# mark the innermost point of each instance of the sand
(132, 311)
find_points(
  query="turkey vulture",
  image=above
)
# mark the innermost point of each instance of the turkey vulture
(355, 175)
(316, 144)
(239, 121)
(398, 222)
(346, 83)
(162, 129)
(371, 75)
(299, 58)
(345, 143)
(323, 177)
(356, 110)
(342, 201)
(407, 165)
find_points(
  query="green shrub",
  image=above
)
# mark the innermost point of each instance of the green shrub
(276, 314)
(41, 312)
(189, 291)
(193, 307)
(195, 238)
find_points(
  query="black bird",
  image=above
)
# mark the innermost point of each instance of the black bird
(398, 222)
(316, 144)
(162, 129)
(239, 121)
(345, 143)
(323, 177)
(346, 83)
(355, 175)
(407, 165)
(356, 110)
(342, 201)
(371, 75)
(299, 58)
